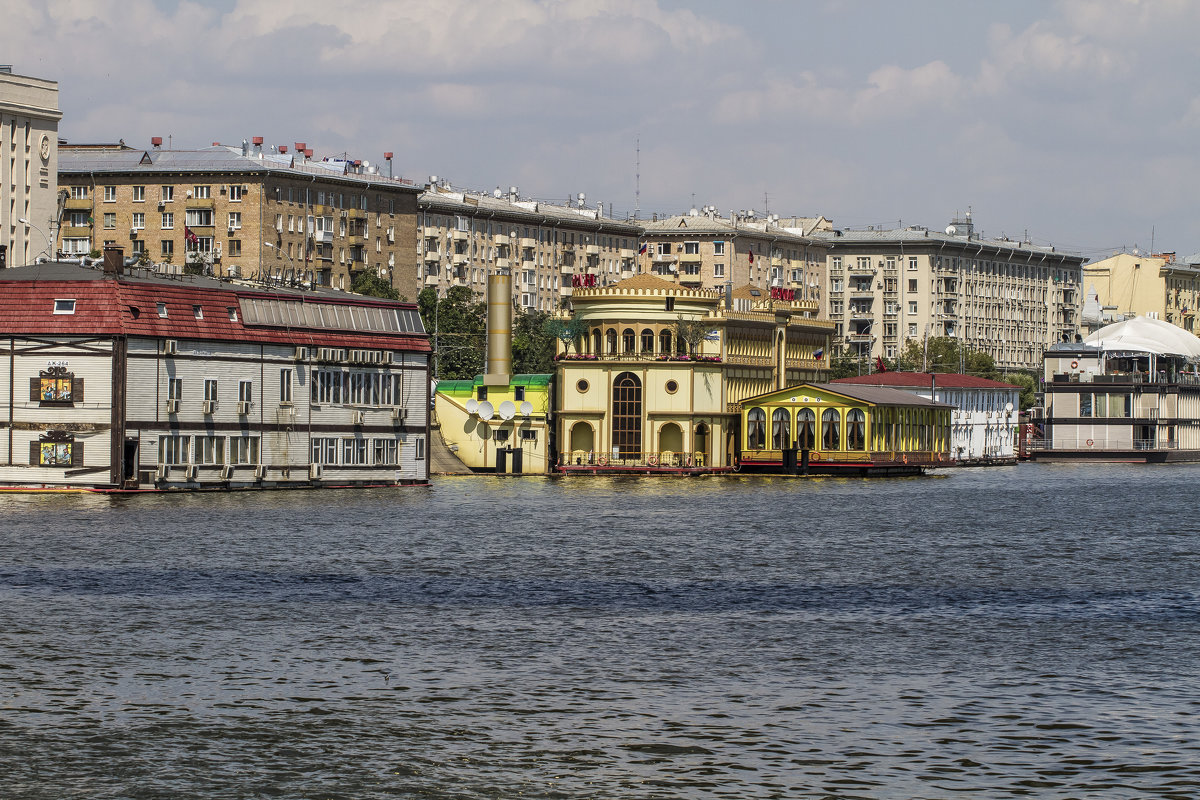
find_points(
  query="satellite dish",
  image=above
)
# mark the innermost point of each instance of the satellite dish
(526, 408)
(472, 406)
(507, 410)
(1008, 407)
(486, 411)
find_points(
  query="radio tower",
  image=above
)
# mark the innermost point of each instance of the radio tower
(637, 179)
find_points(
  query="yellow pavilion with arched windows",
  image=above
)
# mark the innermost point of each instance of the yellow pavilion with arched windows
(842, 429)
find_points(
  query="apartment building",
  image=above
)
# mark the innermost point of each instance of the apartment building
(702, 250)
(242, 212)
(1127, 285)
(549, 249)
(29, 118)
(1009, 299)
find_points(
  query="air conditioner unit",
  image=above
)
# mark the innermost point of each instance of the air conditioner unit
(260, 471)
(170, 347)
(356, 356)
(226, 472)
(314, 472)
(388, 357)
(189, 472)
(162, 473)
(210, 406)
(243, 407)
(172, 406)
(303, 353)
(357, 417)
(399, 414)
(133, 231)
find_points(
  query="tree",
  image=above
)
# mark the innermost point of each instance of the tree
(532, 344)
(457, 325)
(568, 331)
(372, 284)
(944, 354)
(845, 364)
(691, 332)
(1029, 385)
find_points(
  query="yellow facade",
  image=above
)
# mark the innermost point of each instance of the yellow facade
(1132, 285)
(633, 392)
(880, 428)
(484, 440)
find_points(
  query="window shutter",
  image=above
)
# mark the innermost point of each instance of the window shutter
(35, 453)
(77, 454)
(35, 386)
(77, 390)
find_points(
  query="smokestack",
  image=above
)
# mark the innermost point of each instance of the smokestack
(499, 322)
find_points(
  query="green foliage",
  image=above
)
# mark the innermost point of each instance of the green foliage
(370, 283)
(691, 331)
(1029, 386)
(945, 354)
(533, 344)
(568, 331)
(846, 364)
(457, 326)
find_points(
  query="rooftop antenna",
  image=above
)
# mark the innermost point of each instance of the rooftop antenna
(766, 205)
(637, 179)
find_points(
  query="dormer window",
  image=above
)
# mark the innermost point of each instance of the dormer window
(197, 312)
(64, 306)
(162, 309)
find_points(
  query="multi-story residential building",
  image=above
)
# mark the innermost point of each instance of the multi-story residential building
(550, 249)
(1009, 299)
(702, 250)
(29, 118)
(118, 379)
(243, 212)
(1127, 285)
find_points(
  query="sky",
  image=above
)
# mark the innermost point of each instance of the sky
(1072, 123)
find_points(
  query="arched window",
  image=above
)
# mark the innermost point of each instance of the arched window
(670, 439)
(596, 342)
(628, 341)
(610, 342)
(856, 429)
(781, 429)
(582, 441)
(664, 343)
(806, 428)
(647, 340)
(830, 435)
(756, 429)
(627, 414)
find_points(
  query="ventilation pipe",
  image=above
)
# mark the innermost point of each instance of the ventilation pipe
(499, 323)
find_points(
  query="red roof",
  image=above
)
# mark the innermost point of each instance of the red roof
(110, 307)
(924, 380)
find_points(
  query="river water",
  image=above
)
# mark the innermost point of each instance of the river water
(1027, 631)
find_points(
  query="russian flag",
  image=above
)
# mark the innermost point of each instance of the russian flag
(642, 249)
(820, 351)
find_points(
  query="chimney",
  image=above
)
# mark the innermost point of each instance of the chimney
(283, 148)
(156, 142)
(257, 140)
(499, 323)
(114, 260)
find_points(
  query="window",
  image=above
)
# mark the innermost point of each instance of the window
(235, 220)
(582, 386)
(235, 247)
(354, 452)
(243, 449)
(864, 262)
(173, 449)
(210, 390)
(912, 306)
(806, 429)
(285, 386)
(756, 429)
(385, 452)
(246, 391)
(138, 221)
(781, 429)
(419, 449)
(139, 194)
(718, 248)
(168, 220)
(210, 449)
(110, 220)
(718, 270)
(56, 449)
(519, 393)
(830, 435)
(137, 247)
(198, 312)
(912, 329)
(912, 262)
(856, 429)
(235, 193)
(174, 388)
(627, 415)
(672, 387)
(324, 450)
(664, 248)
(481, 393)
(64, 306)
(56, 386)
(162, 309)
(202, 192)
(79, 193)
(198, 217)
(168, 194)
(110, 194)
(167, 247)
(691, 248)
(528, 435)
(912, 284)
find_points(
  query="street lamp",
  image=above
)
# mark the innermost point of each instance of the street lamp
(49, 246)
(295, 273)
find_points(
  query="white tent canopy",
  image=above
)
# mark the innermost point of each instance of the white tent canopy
(1146, 335)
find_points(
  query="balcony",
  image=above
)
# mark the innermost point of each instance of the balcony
(776, 261)
(592, 250)
(663, 258)
(200, 203)
(856, 269)
(356, 213)
(320, 237)
(431, 280)
(432, 255)
(626, 252)
(503, 263)
(75, 231)
(458, 236)
(459, 259)
(317, 210)
(500, 240)
(528, 244)
(354, 241)
(78, 204)
(689, 258)
(567, 269)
